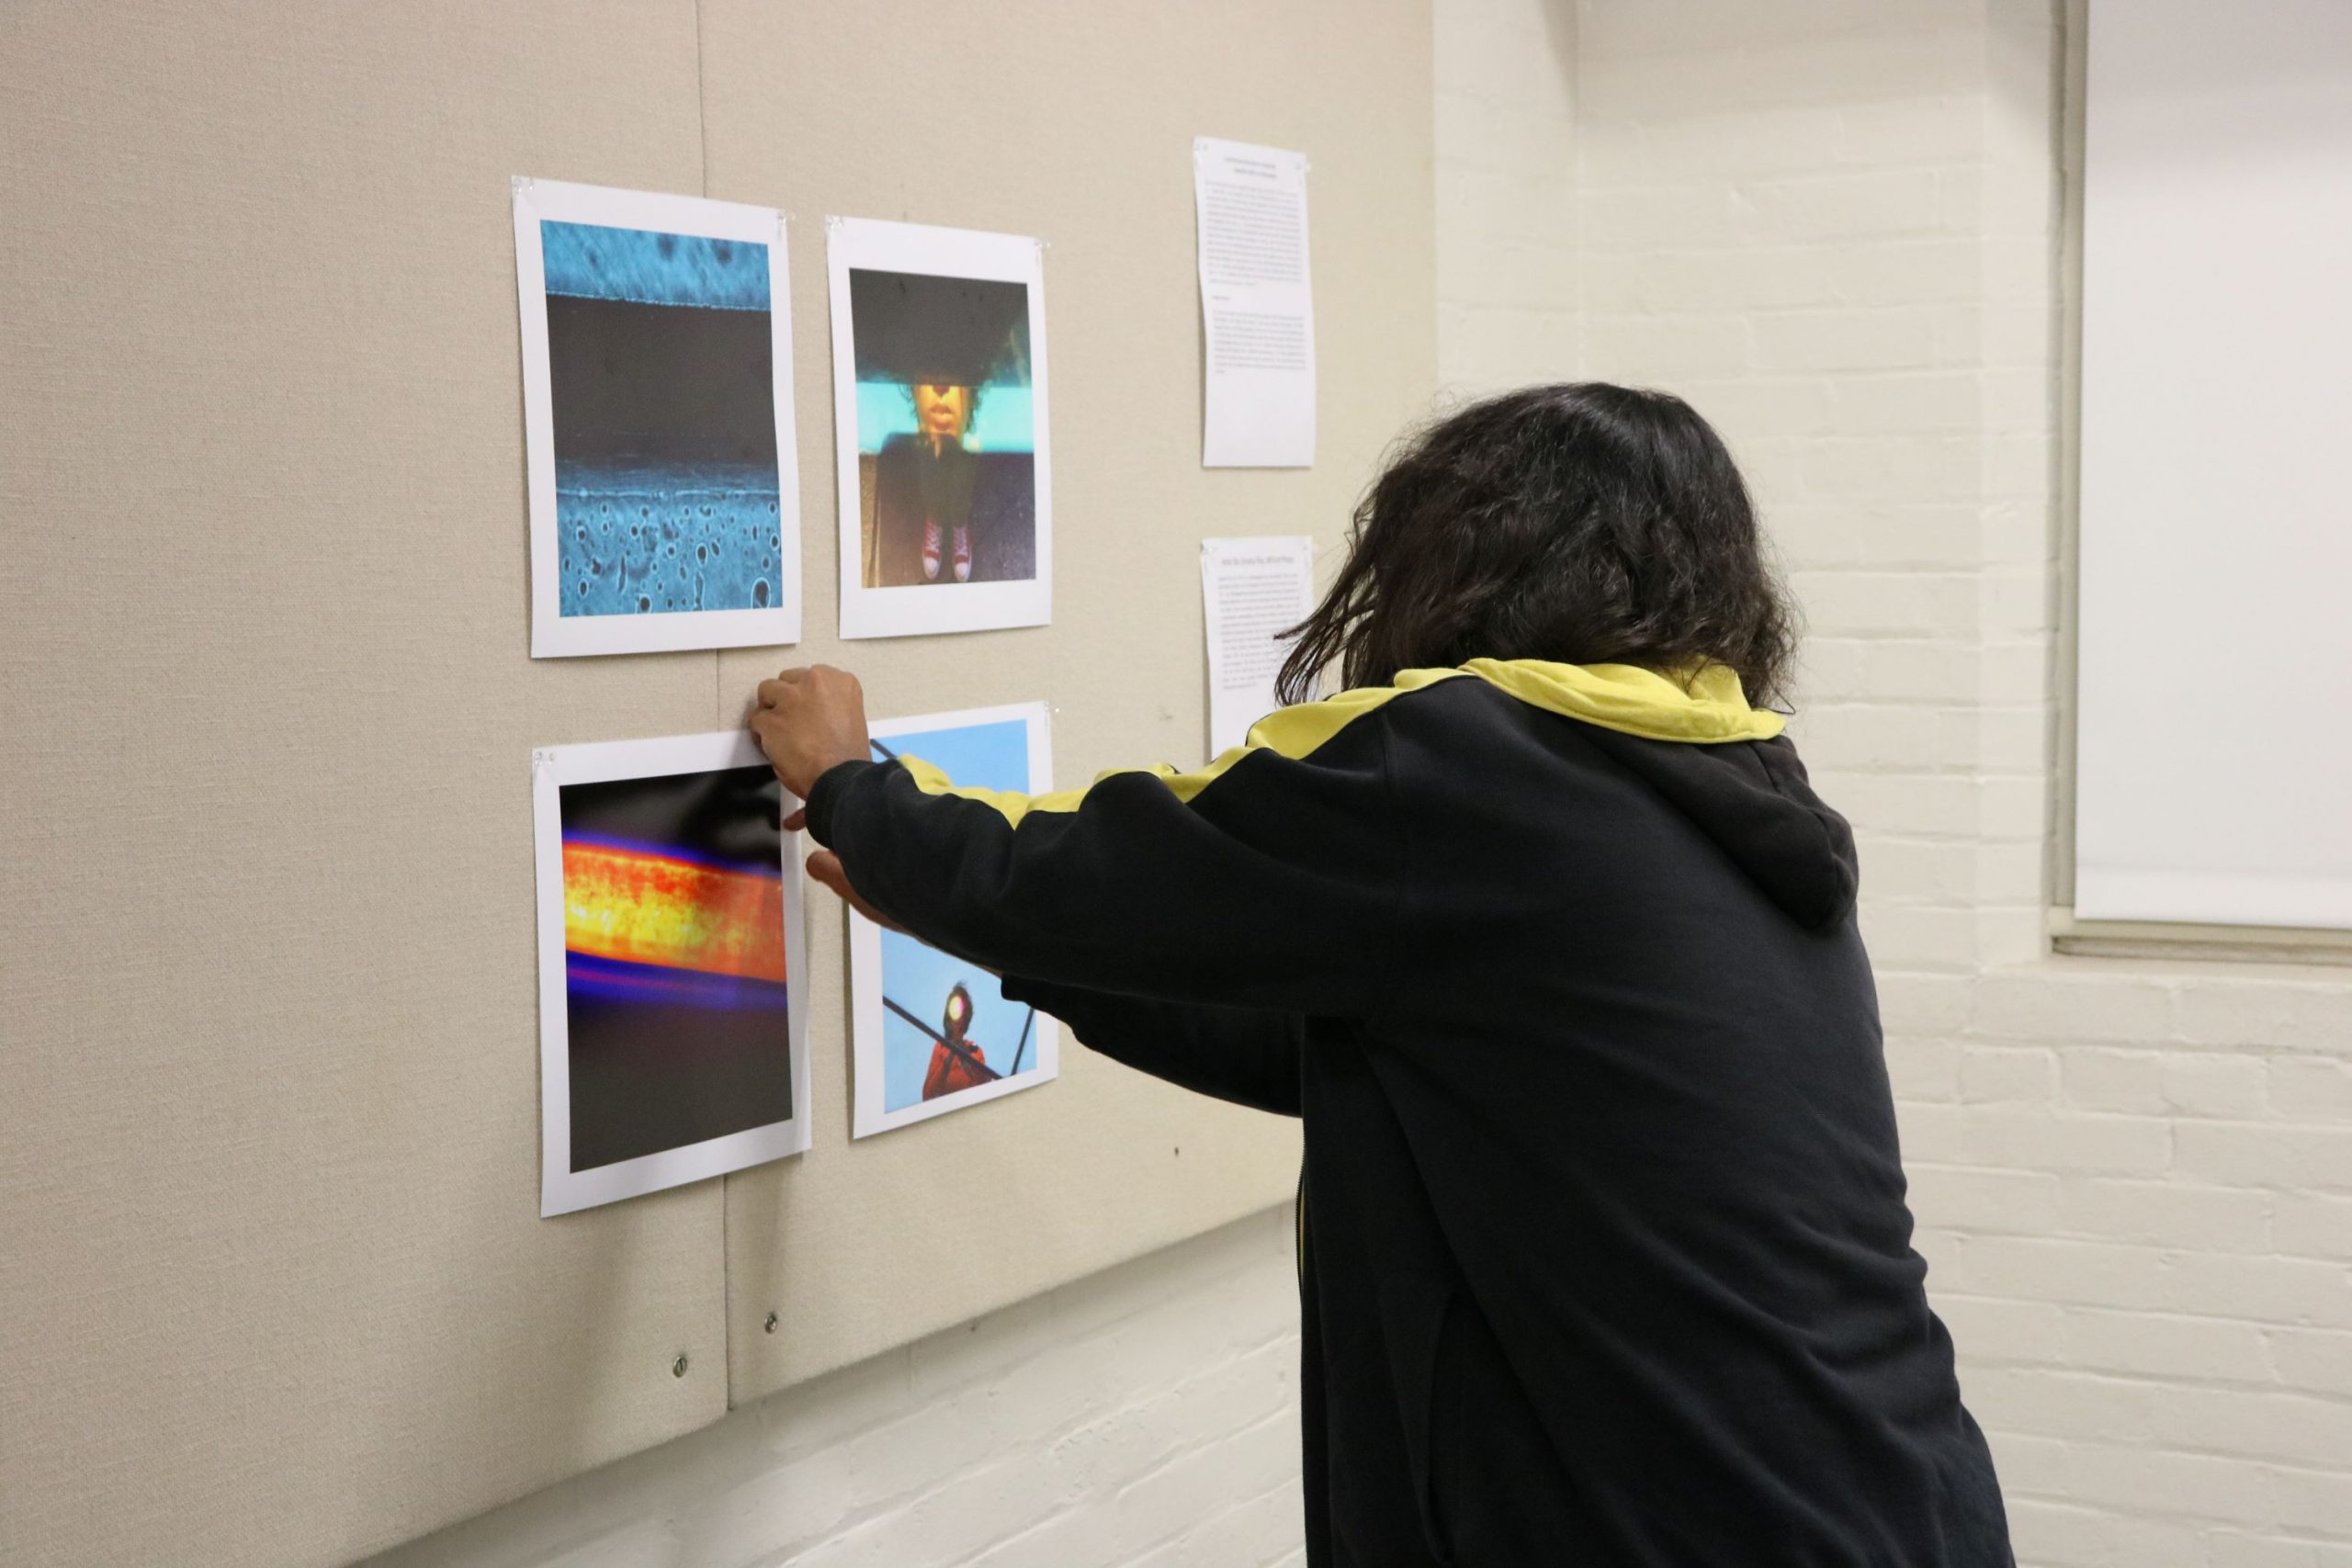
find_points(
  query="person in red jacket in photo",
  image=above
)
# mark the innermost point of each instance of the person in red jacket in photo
(957, 1061)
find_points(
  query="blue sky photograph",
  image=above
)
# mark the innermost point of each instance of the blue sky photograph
(994, 755)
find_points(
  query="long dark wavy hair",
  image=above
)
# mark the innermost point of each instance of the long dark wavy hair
(1583, 522)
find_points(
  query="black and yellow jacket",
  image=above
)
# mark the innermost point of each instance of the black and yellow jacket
(1607, 1256)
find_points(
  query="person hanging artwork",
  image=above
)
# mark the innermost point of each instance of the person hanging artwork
(940, 424)
(932, 1032)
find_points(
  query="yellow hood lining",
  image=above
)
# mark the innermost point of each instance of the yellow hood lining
(1712, 710)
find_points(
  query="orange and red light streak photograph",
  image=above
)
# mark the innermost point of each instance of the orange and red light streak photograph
(640, 906)
(677, 1002)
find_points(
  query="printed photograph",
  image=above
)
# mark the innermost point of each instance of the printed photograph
(665, 475)
(940, 424)
(675, 1045)
(669, 471)
(946, 474)
(931, 1031)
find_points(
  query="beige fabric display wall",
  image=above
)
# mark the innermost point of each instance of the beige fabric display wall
(276, 1290)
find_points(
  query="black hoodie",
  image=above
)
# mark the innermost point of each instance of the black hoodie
(1605, 1256)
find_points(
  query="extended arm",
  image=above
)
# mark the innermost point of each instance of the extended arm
(1240, 1055)
(1270, 882)
(1272, 879)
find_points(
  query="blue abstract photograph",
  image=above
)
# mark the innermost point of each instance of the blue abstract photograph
(661, 375)
(948, 1026)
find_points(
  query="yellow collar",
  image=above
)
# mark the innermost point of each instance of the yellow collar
(1709, 708)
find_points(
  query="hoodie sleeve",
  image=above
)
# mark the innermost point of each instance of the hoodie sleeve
(1270, 880)
(1240, 1055)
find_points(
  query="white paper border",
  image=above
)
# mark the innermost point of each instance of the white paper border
(562, 1190)
(553, 634)
(867, 1115)
(873, 244)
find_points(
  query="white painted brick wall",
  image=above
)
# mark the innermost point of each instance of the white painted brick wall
(1505, 192)
(1835, 226)
(1146, 1418)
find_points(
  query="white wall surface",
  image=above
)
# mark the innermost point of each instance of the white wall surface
(1505, 192)
(2216, 534)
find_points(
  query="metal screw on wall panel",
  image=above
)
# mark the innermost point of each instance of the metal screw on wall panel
(678, 1367)
(770, 1324)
